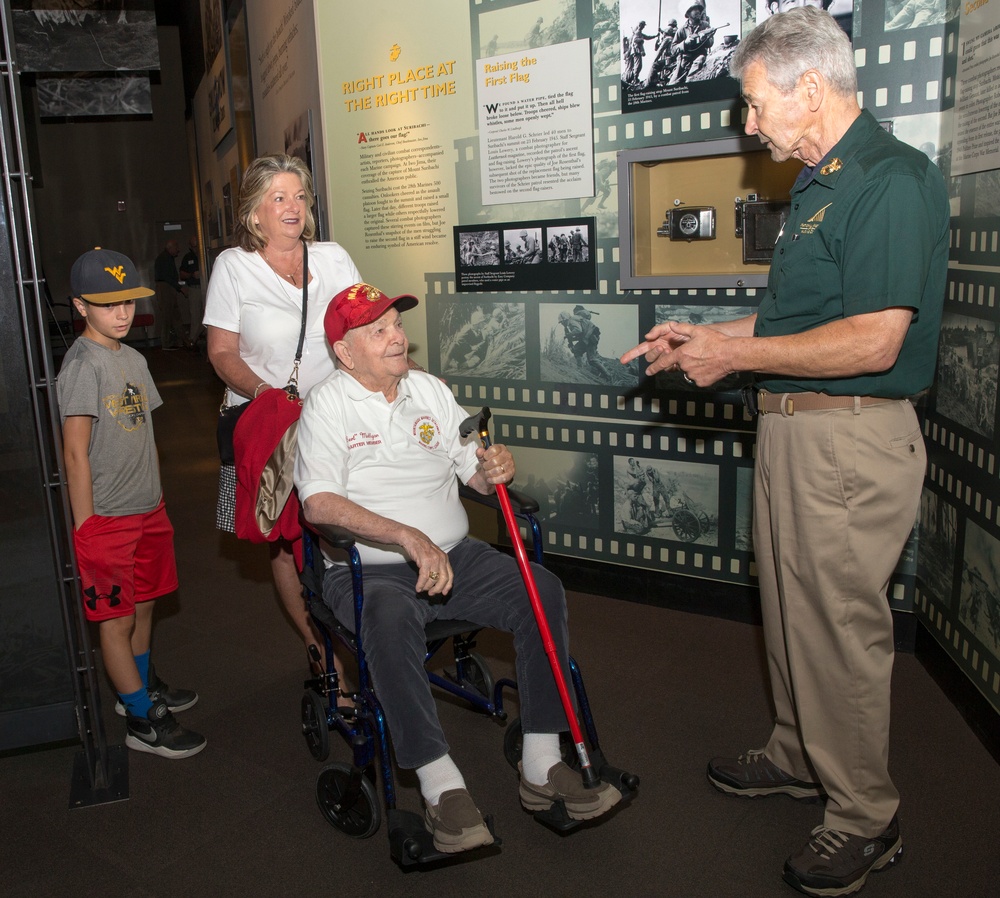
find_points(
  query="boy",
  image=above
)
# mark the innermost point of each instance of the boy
(123, 538)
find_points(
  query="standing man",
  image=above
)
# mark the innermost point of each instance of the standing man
(168, 289)
(190, 275)
(846, 332)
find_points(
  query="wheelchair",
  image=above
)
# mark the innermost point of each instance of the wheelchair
(346, 793)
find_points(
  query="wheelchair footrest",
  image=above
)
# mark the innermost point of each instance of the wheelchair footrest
(411, 844)
(558, 818)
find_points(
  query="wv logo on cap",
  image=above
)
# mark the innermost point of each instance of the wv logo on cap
(118, 273)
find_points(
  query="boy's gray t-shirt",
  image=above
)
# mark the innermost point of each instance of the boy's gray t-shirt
(114, 388)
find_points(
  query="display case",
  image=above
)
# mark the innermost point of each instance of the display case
(700, 214)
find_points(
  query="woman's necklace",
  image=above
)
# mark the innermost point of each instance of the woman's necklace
(277, 271)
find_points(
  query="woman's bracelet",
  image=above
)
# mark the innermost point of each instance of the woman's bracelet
(263, 383)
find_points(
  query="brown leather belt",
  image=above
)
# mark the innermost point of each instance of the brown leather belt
(789, 403)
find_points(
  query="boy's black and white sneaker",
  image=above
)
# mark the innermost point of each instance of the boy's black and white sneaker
(838, 863)
(160, 734)
(176, 699)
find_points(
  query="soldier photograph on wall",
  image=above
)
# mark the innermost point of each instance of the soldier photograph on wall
(565, 484)
(580, 343)
(676, 501)
(676, 52)
(966, 387)
(483, 339)
(938, 531)
(979, 605)
(674, 380)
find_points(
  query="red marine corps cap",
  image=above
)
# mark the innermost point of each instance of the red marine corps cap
(359, 305)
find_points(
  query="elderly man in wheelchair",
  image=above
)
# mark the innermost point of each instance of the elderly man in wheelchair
(378, 453)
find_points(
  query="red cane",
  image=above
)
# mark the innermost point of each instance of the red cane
(591, 780)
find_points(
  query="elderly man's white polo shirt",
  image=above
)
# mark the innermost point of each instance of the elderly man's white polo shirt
(397, 460)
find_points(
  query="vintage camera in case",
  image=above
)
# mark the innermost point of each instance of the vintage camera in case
(759, 222)
(689, 223)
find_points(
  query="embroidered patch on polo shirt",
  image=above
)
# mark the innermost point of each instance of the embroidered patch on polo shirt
(427, 431)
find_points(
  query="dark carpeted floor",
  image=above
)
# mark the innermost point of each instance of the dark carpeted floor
(669, 690)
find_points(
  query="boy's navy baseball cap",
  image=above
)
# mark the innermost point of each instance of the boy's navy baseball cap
(103, 276)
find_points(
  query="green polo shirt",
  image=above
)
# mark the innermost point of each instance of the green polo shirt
(868, 230)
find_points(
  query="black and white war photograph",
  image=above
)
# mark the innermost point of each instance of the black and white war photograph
(523, 246)
(503, 30)
(675, 53)
(84, 94)
(903, 14)
(691, 314)
(567, 243)
(581, 343)
(85, 35)
(979, 602)
(604, 203)
(938, 533)
(744, 509)
(671, 500)
(841, 10)
(483, 339)
(476, 248)
(968, 358)
(565, 484)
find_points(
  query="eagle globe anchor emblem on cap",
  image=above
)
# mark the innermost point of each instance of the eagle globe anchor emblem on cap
(367, 291)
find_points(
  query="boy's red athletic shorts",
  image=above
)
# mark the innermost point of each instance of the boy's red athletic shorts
(124, 560)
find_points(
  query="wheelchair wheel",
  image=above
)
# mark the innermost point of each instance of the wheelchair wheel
(478, 675)
(314, 726)
(358, 819)
(513, 741)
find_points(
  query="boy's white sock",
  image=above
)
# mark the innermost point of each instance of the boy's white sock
(437, 777)
(539, 754)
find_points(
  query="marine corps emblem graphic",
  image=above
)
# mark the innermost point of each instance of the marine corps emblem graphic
(426, 429)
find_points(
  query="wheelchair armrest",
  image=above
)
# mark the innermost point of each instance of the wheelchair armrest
(522, 503)
(343, 538)
(337, 536)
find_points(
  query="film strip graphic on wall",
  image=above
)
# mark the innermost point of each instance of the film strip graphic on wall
(520, 350)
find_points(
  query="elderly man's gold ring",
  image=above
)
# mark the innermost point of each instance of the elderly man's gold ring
(433, 575)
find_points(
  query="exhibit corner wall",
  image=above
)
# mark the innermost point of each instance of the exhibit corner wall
(406, 170)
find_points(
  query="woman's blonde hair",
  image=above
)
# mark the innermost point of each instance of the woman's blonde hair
(256, 183)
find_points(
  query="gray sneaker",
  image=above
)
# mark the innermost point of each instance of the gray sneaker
(754, 774)
(456, 824)
(159, 733)
(838, 863)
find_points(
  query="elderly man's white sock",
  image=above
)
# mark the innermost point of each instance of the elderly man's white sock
(539, 754)
(437, 777)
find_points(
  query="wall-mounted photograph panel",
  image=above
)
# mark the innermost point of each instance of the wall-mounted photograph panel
(581, 342)
(483, 339)
(542, 254)
(670, 500)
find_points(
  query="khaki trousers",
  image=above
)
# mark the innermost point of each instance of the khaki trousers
(835, 497)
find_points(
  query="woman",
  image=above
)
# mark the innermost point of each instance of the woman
(253, 315)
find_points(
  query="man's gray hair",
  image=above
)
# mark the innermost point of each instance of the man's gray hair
(790, 43)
